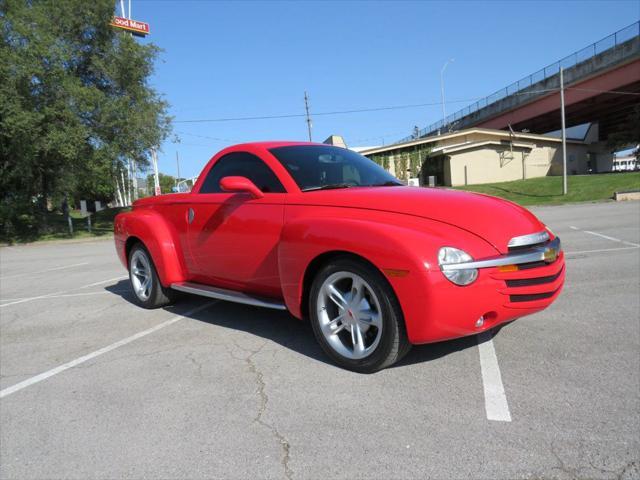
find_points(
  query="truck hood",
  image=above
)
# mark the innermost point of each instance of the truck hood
(493, 219)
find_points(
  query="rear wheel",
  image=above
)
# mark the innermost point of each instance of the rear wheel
(145, 283)
(356, 316)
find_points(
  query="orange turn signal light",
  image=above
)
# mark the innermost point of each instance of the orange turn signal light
(508, 268)
(392, 272)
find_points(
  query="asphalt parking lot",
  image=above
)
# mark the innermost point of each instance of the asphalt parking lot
(92, 386)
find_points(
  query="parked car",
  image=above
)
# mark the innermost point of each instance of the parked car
(330, 236)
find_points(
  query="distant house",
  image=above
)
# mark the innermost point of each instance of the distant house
(480, 155)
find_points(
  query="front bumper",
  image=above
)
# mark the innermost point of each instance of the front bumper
(508, 287)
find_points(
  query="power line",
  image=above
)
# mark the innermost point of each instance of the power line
(219, 139)
(240, 119)
(336, 112)
(386, 108)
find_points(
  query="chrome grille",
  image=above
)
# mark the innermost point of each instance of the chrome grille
(528, 241)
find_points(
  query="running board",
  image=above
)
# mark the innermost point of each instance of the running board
(227, 295)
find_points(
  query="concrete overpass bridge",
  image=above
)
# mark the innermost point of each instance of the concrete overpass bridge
(600, 82)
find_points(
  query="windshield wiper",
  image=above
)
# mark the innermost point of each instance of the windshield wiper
(330, 186)
(390, 183)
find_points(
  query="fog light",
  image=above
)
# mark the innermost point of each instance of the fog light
(480, 322)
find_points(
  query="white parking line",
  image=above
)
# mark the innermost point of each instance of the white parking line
(74, 363)
(495, 399)
(577, 252)
(45, 271)
(607, 237)
(101, 292)
(29, 299)
(59, 293)
(121, 277)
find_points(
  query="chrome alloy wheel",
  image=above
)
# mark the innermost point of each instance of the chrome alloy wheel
(141, 276)
(349, 314)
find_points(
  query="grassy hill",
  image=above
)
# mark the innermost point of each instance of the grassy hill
(548, 190)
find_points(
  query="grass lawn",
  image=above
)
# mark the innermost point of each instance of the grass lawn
(58, 229)
(548, 190)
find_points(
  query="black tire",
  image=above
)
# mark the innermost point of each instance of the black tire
(157, 296)
(392, 344)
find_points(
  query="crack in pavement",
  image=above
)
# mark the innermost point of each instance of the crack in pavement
(618, 476)
(573, 473)
(264, 400)
(193, 360)
(628, 466)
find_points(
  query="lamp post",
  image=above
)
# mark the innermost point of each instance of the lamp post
(444, 111)
(564, 134)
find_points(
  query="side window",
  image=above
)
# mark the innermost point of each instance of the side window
(242, 164)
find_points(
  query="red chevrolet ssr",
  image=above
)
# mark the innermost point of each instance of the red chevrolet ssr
(328, 235)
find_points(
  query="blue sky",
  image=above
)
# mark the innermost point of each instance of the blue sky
(238, 59)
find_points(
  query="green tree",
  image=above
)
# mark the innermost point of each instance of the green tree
(75, 105)
(167, 182)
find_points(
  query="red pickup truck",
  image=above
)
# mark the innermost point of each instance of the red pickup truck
(330, 236)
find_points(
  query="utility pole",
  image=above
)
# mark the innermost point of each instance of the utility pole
(444, 112)
(178, 164)
(564, 134)
(306, 107)
(156, 178)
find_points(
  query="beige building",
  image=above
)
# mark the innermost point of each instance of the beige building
(479, 155)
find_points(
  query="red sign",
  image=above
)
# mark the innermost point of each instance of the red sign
(138, 28)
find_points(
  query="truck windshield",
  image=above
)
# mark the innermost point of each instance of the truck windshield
(319, 167)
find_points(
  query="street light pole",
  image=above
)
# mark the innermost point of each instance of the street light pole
(564, 134)
(444, 111)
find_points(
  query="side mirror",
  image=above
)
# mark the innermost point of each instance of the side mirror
(241, 185)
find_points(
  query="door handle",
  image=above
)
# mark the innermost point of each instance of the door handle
(190, 215)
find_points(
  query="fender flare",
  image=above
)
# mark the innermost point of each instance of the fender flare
(158, 237)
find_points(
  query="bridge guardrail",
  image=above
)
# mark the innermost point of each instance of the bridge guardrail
(580, 56)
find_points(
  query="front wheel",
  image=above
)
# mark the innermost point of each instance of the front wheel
(145, 283)
(356, 316)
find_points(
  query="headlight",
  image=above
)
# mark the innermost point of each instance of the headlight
(452, 256)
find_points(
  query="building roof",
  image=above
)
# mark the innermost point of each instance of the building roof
(336, 140)
(471, 145)
(499, 134)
